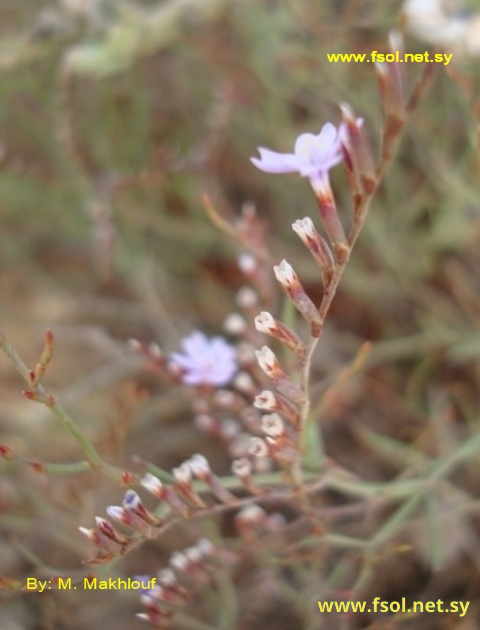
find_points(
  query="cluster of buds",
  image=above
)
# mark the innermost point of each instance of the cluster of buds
(161, 601)
(187, 568)
(195, 561)
(226, 417)
(133, 514)
(279, 442)
(269, 401)
(182, 497)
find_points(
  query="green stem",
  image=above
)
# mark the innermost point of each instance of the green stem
(13, 356)
(71, 426)
(94, 459)
(65, 469)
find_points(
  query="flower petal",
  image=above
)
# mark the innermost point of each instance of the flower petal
(272, 162)
(182, 361)
(328, 134)
(195, 343)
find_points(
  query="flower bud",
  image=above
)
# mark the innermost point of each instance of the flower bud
(356, 148)
(201, 469)
(109, 531)
(258, 447)
(269, 401)
(391, 83)
(158, 489)
(282, 382)
(289, 280)
(183, 479)
(267, 361)
(317, 246)
(269, 325)
(242, 468)
(273, 425)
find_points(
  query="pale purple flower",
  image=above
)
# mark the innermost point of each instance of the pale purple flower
(205, 361)
(314, 156)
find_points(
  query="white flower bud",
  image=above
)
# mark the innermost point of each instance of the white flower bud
(304, 228)
(258, 448)
(132, 500)
(205, 546)
(117, 513)
(265, 400)
(182, 474)
(265, 322)
(167, 578)
(179, 561)
(285, 274)
(273, 425)
(242, 467)
(252, 514)
(267, 360)
(199, 465)
(193, 555)
(152, 484)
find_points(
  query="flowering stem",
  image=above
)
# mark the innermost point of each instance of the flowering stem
(311, 442)
(310, 439)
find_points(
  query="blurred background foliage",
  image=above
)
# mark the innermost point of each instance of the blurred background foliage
(115, 118)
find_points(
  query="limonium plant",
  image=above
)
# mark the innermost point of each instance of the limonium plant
(255, 396)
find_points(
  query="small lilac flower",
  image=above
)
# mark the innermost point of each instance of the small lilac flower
(314, 156)
(205, 361)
